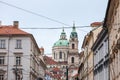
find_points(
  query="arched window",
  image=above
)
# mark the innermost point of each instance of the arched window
(54, 55)
(72, 59)
(64, 56)
(73, 46)
(60, 55)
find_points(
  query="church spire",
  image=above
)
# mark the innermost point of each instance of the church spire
(73, 33)
(63, 29)
(73, 29)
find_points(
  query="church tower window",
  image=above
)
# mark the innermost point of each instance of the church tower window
(73, 46)
(60, 55)
(72, 59)
(54, 55)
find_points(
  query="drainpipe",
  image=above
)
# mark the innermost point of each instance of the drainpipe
(8, 56)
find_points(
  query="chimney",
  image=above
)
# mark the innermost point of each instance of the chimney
(42, 50)
(16, 24)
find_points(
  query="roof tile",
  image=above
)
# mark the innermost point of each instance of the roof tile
(5, 30)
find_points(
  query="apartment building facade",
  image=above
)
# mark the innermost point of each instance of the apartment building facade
(19, 55)
(87, 64)
(112, 23)
(101, 57)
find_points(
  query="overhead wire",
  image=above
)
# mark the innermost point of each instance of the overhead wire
(54, 27)
(34, 13)
(37, 14)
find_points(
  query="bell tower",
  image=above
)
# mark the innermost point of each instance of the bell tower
(73, 56)
(73, 41)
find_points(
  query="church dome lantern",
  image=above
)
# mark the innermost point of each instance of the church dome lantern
(73, 33)
(62, 41)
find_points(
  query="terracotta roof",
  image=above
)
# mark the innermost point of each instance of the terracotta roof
(49, 60)
(5, 30)
(62, 63)
(96, 24)
(56, 69)
(56, 76)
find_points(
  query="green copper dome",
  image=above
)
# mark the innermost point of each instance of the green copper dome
(63, 40)
(61, 43)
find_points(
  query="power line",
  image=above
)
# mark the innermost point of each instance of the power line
(56, 28)
(34, 13)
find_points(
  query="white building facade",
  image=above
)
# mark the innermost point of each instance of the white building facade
(19, 55)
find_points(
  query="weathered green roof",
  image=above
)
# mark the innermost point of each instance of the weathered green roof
(61, 43)
(73, 33)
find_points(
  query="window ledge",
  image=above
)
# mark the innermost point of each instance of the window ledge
(17, 65)
(3, 65)
(2, 48)
(18, 48)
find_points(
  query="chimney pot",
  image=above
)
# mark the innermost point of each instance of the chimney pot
(16, 24)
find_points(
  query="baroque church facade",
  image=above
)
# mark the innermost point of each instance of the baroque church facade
(63, 65)
(65, 51)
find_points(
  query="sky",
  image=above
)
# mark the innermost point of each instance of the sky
(52, 14)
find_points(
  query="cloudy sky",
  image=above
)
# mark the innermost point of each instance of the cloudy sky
(52, 14)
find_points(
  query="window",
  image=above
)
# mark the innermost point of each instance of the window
(18, 44)
(54, 55)
(73, 46)
(72, 59)
(60, 55)
(2, 58)
(64, 56)
(18, 60)
(1, 77)
(2, 44)
(18, 77)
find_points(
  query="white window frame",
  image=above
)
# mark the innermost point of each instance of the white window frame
(2, 44)
(18, 44)
(18, 58)
(2, 60)
(1, 76)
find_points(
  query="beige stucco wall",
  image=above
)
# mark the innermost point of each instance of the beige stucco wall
(114, 35)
